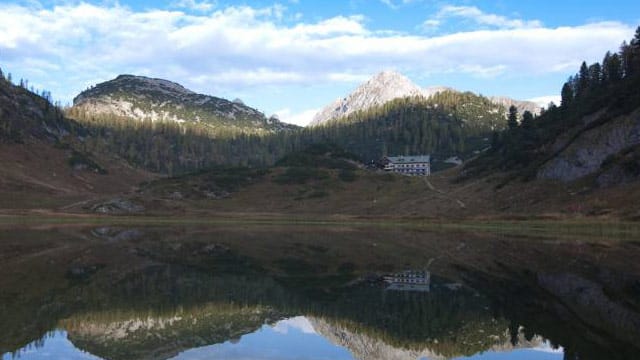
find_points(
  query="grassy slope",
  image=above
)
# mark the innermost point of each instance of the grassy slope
(393, 196)
(38, 175)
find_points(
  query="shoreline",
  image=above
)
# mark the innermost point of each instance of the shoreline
(547, 226)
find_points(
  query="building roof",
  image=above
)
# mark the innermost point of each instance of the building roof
(409, 159)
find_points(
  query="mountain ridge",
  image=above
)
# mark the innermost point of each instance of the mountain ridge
(388, 85)
(144, 98)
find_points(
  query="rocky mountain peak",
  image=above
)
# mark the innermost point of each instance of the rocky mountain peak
(381, 88)
(388, 85)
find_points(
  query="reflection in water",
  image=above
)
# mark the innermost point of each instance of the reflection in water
(54, 345)
(408, 280)
(272, 293)
(293, 338)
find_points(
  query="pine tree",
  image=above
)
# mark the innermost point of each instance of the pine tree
(583, 80)
(612, 71)
(595, 75)
(566, 94)
(634, 47)
(626, 55)
(512, 120)
(527, 120)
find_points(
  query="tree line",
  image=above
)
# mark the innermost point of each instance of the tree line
(449, 123)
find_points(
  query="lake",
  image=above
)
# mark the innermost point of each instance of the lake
(315, 292)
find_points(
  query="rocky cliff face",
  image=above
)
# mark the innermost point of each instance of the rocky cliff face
(583, 151)
(142, 98)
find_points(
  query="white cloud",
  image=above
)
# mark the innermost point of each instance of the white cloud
(544, 101)
(302, 118)
(235, 49)
(202, 6)
(397, 4)
(483, 71)
(480, 17)
(299, 323)
(431, 23)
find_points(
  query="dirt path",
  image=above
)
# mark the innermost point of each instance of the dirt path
(443, 194)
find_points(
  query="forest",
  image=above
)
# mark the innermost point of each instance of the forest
(447, 124)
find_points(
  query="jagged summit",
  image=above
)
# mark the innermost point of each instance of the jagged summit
(144, 98)
(381, 88)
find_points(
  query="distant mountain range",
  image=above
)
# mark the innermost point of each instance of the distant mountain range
(390, 85)
(143, 98)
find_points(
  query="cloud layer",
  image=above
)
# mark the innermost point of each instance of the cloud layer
(234, 49)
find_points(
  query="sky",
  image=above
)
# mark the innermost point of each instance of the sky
(292, 57)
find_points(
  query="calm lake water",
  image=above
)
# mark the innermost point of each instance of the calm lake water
(316, 292)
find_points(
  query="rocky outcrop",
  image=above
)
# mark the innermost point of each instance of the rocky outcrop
(117, 206)
(584, 152)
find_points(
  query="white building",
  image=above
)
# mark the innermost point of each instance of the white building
(416, 165)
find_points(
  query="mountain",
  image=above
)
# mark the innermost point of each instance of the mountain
(521, 105)
(142, 98)
(447, 124)
(364, 346)
(380, 89)
(390, 85)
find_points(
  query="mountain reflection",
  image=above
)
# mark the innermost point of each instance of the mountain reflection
(160, 293)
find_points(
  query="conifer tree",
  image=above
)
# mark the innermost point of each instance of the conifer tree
(566, 94)
(583, 79)
(512, 120)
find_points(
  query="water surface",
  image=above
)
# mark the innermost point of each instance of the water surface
(290, 292)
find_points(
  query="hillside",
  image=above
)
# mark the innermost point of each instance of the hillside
(44, 161)
(593, 137)
(447, 125)
(143, 98)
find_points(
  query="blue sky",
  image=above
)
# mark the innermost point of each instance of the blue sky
(292, 57)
